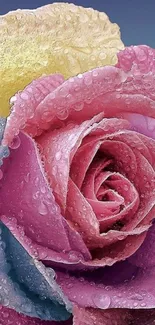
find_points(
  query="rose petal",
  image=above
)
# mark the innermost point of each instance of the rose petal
(59, 37)
(40, 296)
(145, 254)
(35, 210)
(25, 106)
(145, 184)
(82, 161)
(122, 285)
(11, 317)
(140, 123)
(91, 316)
(57, 149)
(88, 187)
(109, 89)
(83, 216)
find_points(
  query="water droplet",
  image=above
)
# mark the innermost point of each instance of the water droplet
(126, 188)
(70, 285)
(143, 304)
(6, 302)
(43, 255)
(27, 308)
(24, 96)
(137, 296)
(95, 73)
(79, 106)
(80, 76)
(73, 256)
(101, 301)
(102, 56)
(62, 114)
(135, 304)
(88, 80)
(58, 155)
(15, 143)
(43, 190)
(21, 214)
(13, 100)
(36, 195)
(42, 209)
(27, 177)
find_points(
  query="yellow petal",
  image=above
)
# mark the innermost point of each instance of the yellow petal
(59, 37)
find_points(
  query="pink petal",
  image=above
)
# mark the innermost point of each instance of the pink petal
(25, 114)
(57, 149)
(90, 146)
(85, 221)
(125, 160)
(88, 186)
(80, 212)
(82, 161)
(26, 195)
(11, 317)
(129, 87)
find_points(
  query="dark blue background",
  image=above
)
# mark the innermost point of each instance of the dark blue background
(136, 18)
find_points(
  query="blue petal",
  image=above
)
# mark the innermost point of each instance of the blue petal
(26, 285)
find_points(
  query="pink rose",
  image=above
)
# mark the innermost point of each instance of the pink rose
(80, 180)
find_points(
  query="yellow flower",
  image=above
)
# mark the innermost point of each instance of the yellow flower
(59, 37)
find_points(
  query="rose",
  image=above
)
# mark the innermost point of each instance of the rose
(64, 152)
(74, 114)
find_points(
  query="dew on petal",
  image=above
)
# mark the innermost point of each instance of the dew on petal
(58, 155)
(78, 107)
(15, 143)
(42, 209)
(101, 301)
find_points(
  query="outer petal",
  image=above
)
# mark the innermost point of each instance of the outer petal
(26, 285)
(140, 123)
(123, 285)
(36, 210)
(146, 253)
(56, 38)
(24, 113)
(90, 316)
(112, 90)
(11, 317)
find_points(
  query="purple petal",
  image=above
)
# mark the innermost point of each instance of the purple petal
(120, 286)
(145, 255)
